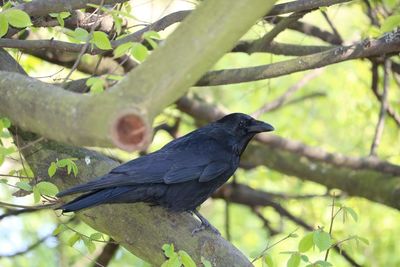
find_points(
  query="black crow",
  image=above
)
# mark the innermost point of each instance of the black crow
(181, 175)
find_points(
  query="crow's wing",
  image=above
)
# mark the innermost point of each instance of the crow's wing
(188, 158)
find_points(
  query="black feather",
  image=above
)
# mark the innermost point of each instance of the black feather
(181, 175)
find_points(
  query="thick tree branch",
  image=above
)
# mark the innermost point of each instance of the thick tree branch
(281, 48)
(139, 228)
(106, 254)
(96, 120)
(44, 7)
(389, 43)
(371, 178)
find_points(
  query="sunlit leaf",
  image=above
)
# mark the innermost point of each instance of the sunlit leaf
(100, 39)
(52, 169)
(186, 260)
(294, 260)
(60, 228)
(24, 186)
(322, 240)
(306, 242)
(139, 52)
(268, 260)
(47, 188)
(3, 25)
(122, 49)
(17, 18)
(73, 239)
(391, 23)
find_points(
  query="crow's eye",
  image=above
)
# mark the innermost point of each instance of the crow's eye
(242, 124)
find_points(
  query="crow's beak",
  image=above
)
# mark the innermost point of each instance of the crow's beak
(260, 126)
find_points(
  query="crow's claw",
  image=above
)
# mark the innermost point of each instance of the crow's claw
(204, 225)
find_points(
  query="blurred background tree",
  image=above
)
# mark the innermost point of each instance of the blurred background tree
(323, 190)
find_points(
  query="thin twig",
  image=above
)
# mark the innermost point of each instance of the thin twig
(227, 220)
(274, 244)
(85, 46)
(29, 248)
(384, 104)
(335, 31)
(331, 223)
(275, 104)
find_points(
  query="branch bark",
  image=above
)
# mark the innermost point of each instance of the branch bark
(44, 7)
(139, 228)
(95, 120)
(389, 43)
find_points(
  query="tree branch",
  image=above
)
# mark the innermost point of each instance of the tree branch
(106, 254)
(139, 228)
(371, 178)
(281, 48)
(383, 109)
(44, 7)
(95, 120)
(247, 196)
(389, 43)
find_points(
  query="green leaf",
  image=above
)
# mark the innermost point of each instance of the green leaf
(323, 8)
(100, 39)
(115, 77)
(6, 122)
(52, 169)
(363, 240)
(186, 260)
(304, 258)
(36, 194)
(17, 18)
(96, 236)
(122, 49)
(3, 181)
(91, 247)
(268, 261)
(60, 228)
(169, 250)
(352, 213)
(96, 84)
(306, 242)
(322, 240)
(174, 261)
(139, 52)
(47, 188)
(149, 36)
(80, 34)
(390, 23)
(323, 263)
(294, 260)
(3, 26)
(24, 186)
(73, 239)
(205, 262)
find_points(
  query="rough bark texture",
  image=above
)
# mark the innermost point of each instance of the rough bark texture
(96, 120)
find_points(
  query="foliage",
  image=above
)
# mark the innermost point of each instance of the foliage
(341, 119)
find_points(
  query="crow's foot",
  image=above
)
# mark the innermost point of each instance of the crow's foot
(204, 225)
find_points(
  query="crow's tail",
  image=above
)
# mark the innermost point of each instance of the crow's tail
(120, 194)
(109, 195)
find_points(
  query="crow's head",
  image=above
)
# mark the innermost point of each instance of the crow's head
(243, 128)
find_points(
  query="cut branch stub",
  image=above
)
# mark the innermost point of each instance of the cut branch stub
(130, 132)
